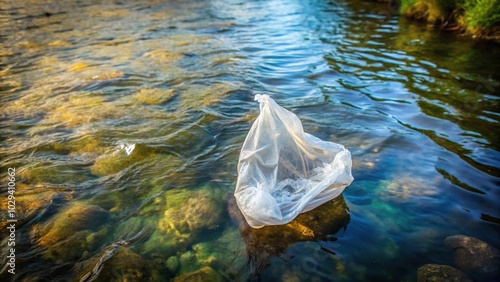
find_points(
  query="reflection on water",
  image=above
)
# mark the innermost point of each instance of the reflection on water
(272, 241)
(124, 121)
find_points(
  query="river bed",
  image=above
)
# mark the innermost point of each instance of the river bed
(123, 121)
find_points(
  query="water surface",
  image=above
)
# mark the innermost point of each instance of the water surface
(124, 120)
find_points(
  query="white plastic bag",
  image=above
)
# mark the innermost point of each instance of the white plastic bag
(283, 171)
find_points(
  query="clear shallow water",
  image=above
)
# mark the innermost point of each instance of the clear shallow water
(130, 116)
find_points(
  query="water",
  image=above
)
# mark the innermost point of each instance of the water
(124, 120)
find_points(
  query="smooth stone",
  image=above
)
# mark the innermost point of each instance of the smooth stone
(474, 256)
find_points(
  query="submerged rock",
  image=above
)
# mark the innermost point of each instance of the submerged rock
(438, 273)
(74, 218)
(198, 97)
(164, 56)
(77, 110)
(172, 264)
(269, 241)
(405, 187)
(202, 275)
(155, 96)
(30, 205)
(78, 66)
(116, 263)
(228, 252)
(189, 212)
(121, 157)
(68, 234)
(474, 256)
(53, 173)
(186, 214)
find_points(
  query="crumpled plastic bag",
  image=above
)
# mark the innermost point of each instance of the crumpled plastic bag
(283, 171)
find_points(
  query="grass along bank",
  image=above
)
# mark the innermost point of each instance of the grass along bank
(478, 18)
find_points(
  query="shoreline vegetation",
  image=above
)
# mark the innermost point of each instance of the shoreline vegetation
(476, 18)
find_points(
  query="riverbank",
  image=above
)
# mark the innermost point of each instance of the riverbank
(479, 19)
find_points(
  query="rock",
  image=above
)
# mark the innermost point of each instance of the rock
(438, 273)
(172, 264)
(76, 217)
(70, 229)
(188, 262)
(77, 110)
(161, 244)
(121, 157)
(189, 212)
(118, 263)
(197, 97)
(164, 56)
(78, 66)
(108, 74)
(30, 205)
(47, 173)
(228, 252)
(202, 275)
(474, 256)
(155, 96)
(269, 241)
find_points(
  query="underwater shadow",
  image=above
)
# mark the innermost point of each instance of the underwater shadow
(319, 224)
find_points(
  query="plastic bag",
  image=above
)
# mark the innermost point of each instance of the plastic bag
(283, 171)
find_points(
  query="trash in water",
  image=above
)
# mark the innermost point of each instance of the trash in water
(284, 171)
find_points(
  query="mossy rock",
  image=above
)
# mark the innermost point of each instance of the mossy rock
(59, 43)
(78, 109)
(76, 246)
(172, 264)
(69, 235)
(270, 241)
(201, 275)
(121, 157)
(107, 74)
(78, 66)
(123, 265)
(86, 145)
(227, 252)
(164, 56)
(30, 205)
(198, 97)
(155, 96)
(76, 217)
(189, 212)
(188, 39)
(54, 174)
(165, 245)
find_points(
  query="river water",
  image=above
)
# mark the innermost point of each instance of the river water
(123, 121)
